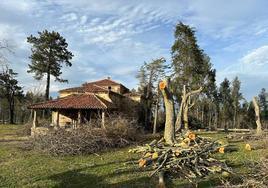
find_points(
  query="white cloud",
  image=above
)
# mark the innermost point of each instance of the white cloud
(70, 17)
(257, 57)
(254, 63)
(114, 38)
(251, 69)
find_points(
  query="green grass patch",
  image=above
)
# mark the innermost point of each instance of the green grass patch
(20, 168)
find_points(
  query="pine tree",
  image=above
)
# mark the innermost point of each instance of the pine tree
(9, 89)
(226, 102)
(236, 97)
(247, 115)
(263, 101)
(49, 53)
(211, 92)
(190, 64)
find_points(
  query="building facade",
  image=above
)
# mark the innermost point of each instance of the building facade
(90, 101)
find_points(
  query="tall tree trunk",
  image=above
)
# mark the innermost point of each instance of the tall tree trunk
(184, 108)
(209, 116)
(47, 86)
(202, 114)
(185, 115)
(235, 114)
(178, 123)
(148, 101)
(169, 133)
(257, 113)
(156, 116)
(11, 111)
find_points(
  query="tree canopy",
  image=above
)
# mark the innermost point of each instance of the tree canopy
(49, 54)
(9, 89)
(191, 65)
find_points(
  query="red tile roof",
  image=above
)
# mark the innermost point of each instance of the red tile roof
(76, 101)
(73, 89)
(92, 88)
(104, 82)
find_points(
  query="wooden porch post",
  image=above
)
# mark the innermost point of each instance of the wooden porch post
(103, 119)
(34, 120)
(58, 119)
(79, 117)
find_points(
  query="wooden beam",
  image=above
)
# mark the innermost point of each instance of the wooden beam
(103, 119)
(58, 119)
(79, 117)
(34, 120)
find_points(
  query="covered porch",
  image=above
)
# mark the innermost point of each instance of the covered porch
(73, 111)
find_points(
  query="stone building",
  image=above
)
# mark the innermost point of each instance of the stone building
(90, 101)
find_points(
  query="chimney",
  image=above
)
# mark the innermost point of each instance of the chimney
(109, 78)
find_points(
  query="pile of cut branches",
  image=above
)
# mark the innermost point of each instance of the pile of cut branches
(119, 132)
(189, 158)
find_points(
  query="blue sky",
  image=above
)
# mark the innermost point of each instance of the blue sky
(114, 38)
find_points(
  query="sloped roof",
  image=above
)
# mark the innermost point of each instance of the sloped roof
(86, 88)
(103, 82)
(73, 89)
(76, 101)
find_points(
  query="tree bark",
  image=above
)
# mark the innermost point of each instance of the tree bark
(156, 116)
(185, 116)
(169, 133)
(11, 109)
(184, 108)
(47, 86)
(235, 117)
(148, 102)
(257, 113)
(178, 123)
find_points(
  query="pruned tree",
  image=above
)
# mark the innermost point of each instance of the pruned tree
(49, 53)
(9, 89)
(169, 133)
(186, 104)
(257, 114)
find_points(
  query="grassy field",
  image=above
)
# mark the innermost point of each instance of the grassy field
(21, 168)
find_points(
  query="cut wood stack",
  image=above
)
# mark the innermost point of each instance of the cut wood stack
(189, 158)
